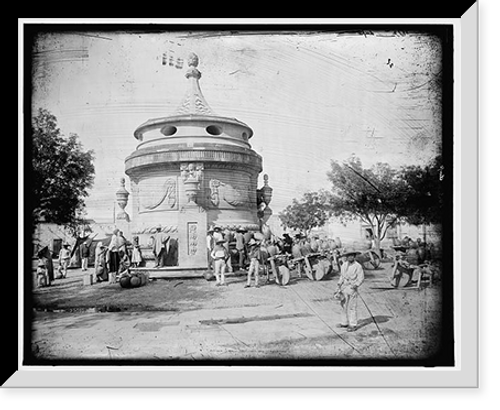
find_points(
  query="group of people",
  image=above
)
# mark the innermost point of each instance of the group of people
(114, 260)
(110, 260)
(44, 271)
(240, 249)
(165, 249)
(234, 250)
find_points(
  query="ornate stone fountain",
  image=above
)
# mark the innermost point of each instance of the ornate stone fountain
(192, 170)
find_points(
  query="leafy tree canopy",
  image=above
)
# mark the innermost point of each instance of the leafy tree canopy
(373, 195)
(424, 197)
(378, 196)
(310, 212)
(62, 173)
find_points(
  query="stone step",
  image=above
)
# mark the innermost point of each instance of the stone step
(174, 272)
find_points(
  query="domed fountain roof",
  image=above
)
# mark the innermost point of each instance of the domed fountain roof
(193, 133)
(193, 107)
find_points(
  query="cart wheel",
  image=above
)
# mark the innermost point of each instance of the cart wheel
(327, 263)
(319, 271)
(372, 264)
(400, 280)
(284, 274)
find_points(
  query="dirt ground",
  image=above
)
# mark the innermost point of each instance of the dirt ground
(192, 319)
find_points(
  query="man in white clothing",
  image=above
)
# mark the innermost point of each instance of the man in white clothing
(351, 278)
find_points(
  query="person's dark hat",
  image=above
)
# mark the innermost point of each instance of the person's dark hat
(217, 228)
(241, 229)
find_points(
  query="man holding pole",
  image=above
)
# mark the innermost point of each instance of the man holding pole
(351, 278)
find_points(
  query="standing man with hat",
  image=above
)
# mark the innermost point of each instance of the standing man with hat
(64, 258)
(240, 246)
(159, 240)
(351, 278)
(218, 235)
(219, 255)
(255, 256)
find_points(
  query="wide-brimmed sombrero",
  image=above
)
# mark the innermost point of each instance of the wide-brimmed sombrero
(350, 251)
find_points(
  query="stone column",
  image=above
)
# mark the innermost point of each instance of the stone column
(192, 219)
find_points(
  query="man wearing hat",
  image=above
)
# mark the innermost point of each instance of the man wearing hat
(351, 278)
(240, 246)
(218, 235)
(255, 256)
(287, 243)
(219, 255)
(64, 258)
(159, 240)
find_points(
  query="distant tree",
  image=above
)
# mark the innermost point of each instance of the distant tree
(310, 212)
(424, 195)
(62, 173)
(371, 195)
(379, 196)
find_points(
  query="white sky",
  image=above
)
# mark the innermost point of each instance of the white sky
(309, 98)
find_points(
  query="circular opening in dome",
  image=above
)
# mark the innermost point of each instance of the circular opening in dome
(214, 130)
(168, 130)
(245, 136)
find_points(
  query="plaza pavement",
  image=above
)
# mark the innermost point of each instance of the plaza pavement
(199, 321)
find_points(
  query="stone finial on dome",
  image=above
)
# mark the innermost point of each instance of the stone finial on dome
(194, 103)
(193, 62)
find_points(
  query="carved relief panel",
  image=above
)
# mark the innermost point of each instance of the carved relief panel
(229, 192)
(158, 194)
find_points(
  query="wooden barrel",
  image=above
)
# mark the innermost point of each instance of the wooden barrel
(272, 250)
(412, 256)
(284, 273)
(296, 253)
(305, 249)
(318, 270)
(422, 254)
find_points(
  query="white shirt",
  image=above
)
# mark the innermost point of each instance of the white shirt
(210, 241)
(351, 274)
(218, 236)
